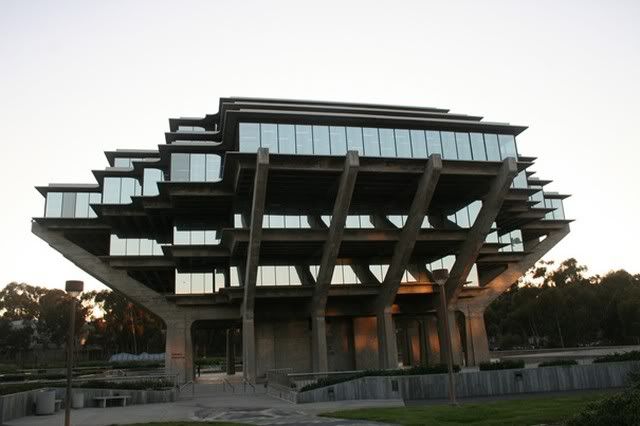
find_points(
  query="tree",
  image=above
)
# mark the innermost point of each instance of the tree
(53, 318)
(20, 301)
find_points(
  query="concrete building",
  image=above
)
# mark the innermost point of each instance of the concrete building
(310, 228)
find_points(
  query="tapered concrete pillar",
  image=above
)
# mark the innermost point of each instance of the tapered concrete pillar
(249, 349)
(387, 347)
(230, 352)
(178, 356)
(456, 344)
(477, 342)
(319, 343)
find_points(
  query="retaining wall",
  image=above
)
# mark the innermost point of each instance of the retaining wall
(22, 404)
(477, 384)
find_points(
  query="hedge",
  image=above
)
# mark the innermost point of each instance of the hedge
(558, 362)
(618, 357)
(502, 365)
(413, 371)
(94, 384)
(204, 361)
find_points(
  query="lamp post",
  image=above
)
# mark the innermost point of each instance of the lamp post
(440, 276)
(73, 289)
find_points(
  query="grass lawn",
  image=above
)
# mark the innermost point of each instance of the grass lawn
(186, 424)
(530, 411)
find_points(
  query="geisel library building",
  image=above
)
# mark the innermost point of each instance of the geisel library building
(310, 229)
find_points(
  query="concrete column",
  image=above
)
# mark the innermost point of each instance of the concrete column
(387, 345)
(230, 352)
(456, 344)
(319, 343)
(179, 350)
(477, 342)
(432, 339)
(249, 349)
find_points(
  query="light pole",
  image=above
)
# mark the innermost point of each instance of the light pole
(73, 289)
(440, 276)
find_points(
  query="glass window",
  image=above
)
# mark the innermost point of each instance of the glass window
(520, 181)
(418, 144)
(146, 247)
(321, 140)
(213, 168)
(276, 221)
(82, 205)
(477, 146)
(117, 246)
(292, 221)
(94, 198)
(462, 143)
(403, 143)
(249, 137)
(197, 283)
(282, 275)
(122, 162)
(462, 218)
(53, 206)
(387, 143)
(433, 142)
(269, 134)
(304, 140)
(371, 144)
(150, 181)
(197, 237)
(448, 146)
(354, 139)
(491, 144)
(180, 167)
(516, 240)
(268, 275)
(197, 168)
(474, 210)
(338, 140)
(558, 213)
(111, 190)
(352, 222)
(507, 146)
(183, 283)
(127, 190)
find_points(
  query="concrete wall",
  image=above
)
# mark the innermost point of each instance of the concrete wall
(340, 351)
(22, 404)
(283, 344)
(478, 384)
(365, 340)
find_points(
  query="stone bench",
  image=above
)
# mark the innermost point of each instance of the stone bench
(102, 400)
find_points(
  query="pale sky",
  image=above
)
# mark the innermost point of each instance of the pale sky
(79, 78)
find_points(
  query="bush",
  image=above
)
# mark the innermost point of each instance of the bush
(502, 365)
(206, 361)
(21, 377)
(558, 362)
(628, 356)
(421, 370)
(95, 384)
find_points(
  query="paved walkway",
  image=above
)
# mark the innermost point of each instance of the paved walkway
(209, 404)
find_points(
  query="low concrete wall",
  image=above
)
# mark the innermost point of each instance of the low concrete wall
(478, 384)
(22, 404)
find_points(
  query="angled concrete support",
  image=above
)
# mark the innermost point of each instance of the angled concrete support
(491, 204)
(328, 261)
(364, 274)
(402, 253)
(251, 271)
(456, 343)
(477, 349)
(178, 355)
(305, 275)
(432, 339)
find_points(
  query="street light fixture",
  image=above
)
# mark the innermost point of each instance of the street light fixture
(73, 289)
(440, 276)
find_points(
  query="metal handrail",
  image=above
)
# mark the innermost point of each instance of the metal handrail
(193, 387)
(245, 382)
(226, 383)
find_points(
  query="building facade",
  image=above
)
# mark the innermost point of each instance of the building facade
(311, 229)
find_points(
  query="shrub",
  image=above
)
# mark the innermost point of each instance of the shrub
(420, 370)
(502, 365)
(205, 361)
(617, 357)
(558, 362)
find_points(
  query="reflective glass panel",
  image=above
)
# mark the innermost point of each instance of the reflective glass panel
(491, 145)
(464, 148)
(433, 142)
(387, 143)
(418, 144)
(111, 190)
(127, 190)
(82, 205)
(213, 168)
(321, 140)
(146, 247)
(448, 146)
(122, 162)
(371, 143)
(94, 198)
(117, 246)
(477, 147)
(304, 141)
(338, 140)
(249, 137)
(180, 167)
(54, 204)
(507, 146)
(403, 143)
(269, 134)
(354, 140)
(150, 181)
(197, 167)
(558, 213)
